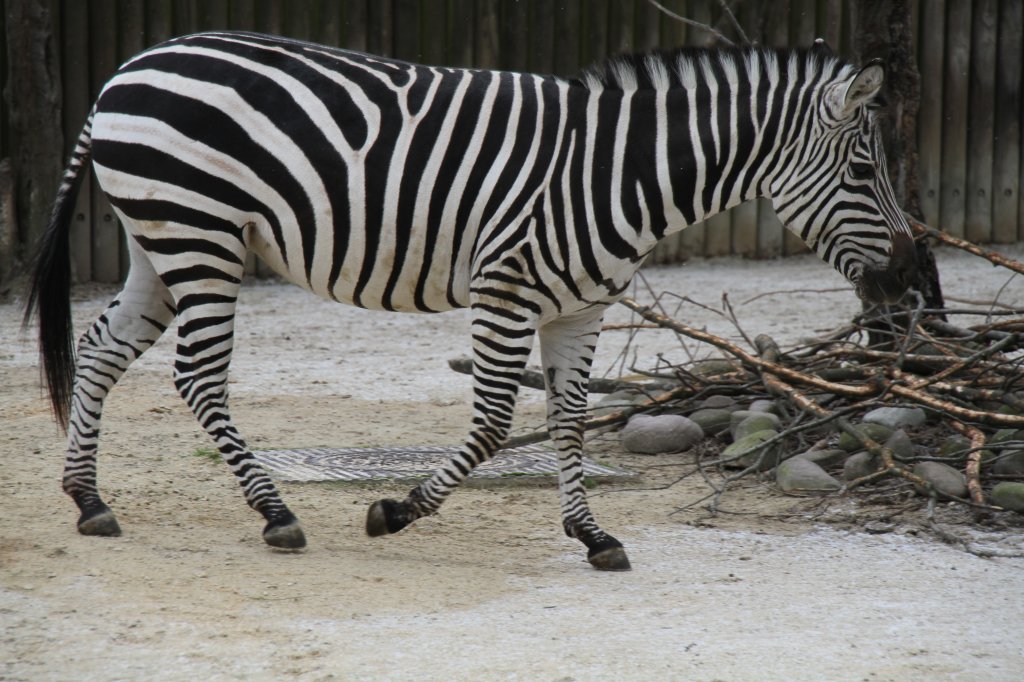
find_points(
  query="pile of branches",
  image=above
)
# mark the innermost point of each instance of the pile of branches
(970, 380)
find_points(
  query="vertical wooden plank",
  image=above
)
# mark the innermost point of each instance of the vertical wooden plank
(406, 30)
(3, 85)
(620, 27)
(297, 19)
(673, 32)
(981, 117)
(931, 54)
(514, 26)
(185, 17)
(242, 15)
(433, 23)
(487, 45)
(379, 27)
(830, 21)
(269, 17)
(541, 36)
(460, 40)
(131, 17)
(77, 103)
(954, 104)
(357, 25)
(329, 23)
(647, 34)
(106, 235)
(213, 15)
(594, 19)
(1006, 171)
(159, 21)
(566, 58)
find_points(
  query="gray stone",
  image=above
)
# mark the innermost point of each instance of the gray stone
(826, 459)
(1005, 435)
(896, 417)
(945, 478)
(757, 421)
(615, 402)
(738, 417)
(802, 475)
(899, 442)
(763, 405)
(661, 433)
(720, 402)
(1009, 495)
(1010, 463)
(859, 465)
(712, 420)
(875, 432)
(747, 452)
(954, 445)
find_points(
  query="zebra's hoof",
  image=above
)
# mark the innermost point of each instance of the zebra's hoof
(286, 536)
(608, 555)
(100, 521)
(383, 519)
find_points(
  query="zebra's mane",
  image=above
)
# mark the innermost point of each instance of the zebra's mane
(658, 69)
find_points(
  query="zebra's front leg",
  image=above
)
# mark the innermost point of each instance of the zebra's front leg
(501, 346)
(567, 349)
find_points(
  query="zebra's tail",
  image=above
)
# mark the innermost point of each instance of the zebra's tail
(49, 295)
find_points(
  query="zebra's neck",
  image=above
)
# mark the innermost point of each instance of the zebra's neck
(691, 136)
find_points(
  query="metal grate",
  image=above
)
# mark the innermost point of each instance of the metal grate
(524, 464)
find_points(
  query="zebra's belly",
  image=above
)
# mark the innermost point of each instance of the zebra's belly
(381, 275)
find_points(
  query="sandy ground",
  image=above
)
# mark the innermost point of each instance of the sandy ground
(490, 588)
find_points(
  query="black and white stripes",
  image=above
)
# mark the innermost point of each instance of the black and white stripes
(530, 199)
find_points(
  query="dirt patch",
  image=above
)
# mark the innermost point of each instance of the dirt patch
(773, 588)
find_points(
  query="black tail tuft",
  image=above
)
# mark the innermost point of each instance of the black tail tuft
(49, 295)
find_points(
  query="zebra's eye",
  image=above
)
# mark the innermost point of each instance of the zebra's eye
(862, 171)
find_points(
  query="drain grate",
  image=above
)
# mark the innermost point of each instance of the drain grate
(523, 464)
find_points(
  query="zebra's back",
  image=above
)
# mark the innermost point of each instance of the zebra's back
(364, 179)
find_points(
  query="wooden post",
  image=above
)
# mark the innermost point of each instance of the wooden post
(406, 27)
(33, 94)
(1006, 171)
(76, 106)
(8, 223)
(566, 21)
(541, 36)
(981, 121)
(487, 34)
(954, 138)
(459, 36)
(929, 120)
(106, 232)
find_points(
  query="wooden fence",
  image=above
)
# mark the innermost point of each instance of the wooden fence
(969, 54)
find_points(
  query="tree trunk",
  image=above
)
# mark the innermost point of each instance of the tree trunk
(882, 30)
(33, 97)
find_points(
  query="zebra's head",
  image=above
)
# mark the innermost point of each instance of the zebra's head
(837, 195)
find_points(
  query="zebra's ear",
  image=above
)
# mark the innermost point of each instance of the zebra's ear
(864, 86)
(821, 46)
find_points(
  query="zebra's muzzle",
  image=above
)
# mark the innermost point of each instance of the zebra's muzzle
(888, 284)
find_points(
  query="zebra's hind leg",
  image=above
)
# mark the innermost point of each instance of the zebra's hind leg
(126, 329)
(205, 290)
(501, 346)
(567, 351)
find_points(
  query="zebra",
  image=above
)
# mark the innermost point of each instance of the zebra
(530, 199)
